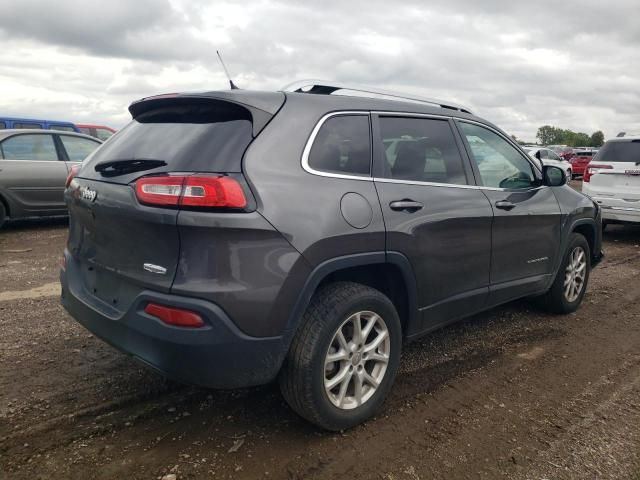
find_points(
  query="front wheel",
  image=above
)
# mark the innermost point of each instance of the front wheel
(344, 357)
(570, 285)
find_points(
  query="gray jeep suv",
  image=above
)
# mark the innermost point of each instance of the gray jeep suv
(231, 238)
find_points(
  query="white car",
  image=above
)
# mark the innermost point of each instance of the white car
(612, 179)
(549, 157)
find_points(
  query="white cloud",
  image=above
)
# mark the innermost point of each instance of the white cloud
(572, 64)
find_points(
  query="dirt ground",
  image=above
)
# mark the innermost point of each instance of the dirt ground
(511, 393)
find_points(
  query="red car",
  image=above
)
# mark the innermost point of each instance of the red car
(99, 131)
(580, 160)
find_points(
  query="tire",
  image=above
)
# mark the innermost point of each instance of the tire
(557, 300)
(3, 214)
(304, 377)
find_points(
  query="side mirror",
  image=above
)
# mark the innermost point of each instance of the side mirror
(553, 176)
(538, 155)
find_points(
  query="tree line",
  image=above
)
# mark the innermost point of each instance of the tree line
(549, 135)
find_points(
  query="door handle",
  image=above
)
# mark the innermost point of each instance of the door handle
(406, 204)
(505, 205)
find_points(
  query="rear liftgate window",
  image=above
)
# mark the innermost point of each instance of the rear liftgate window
(620, 152)
(206, 136)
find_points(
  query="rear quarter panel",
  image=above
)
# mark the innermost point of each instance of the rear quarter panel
(303, 207)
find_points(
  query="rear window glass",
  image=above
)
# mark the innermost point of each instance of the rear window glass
(62, 128)
(620, 152)
(342, 146)
(190, 137)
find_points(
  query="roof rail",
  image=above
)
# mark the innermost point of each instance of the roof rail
(324, 87)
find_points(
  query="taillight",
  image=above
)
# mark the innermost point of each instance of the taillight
(174, 316)
(592, 169)
(163, 190)
(72, 173)
(213, 191)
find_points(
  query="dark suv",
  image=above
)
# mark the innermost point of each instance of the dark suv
(231, 238)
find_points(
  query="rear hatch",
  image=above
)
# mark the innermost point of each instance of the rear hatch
(179, 152)
(615, 172)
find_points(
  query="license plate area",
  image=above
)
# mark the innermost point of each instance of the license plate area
(103, 285)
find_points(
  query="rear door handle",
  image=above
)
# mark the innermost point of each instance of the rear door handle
(406, 205)
(505, 205)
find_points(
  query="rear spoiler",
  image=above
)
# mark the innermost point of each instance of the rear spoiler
(261, 105)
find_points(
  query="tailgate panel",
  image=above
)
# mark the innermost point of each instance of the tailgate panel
(112, 237)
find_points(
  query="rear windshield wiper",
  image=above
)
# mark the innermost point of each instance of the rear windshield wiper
(113, 168)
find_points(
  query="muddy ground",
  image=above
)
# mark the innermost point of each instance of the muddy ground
(511, 393)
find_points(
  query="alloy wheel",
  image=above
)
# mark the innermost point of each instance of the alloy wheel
(575, 274)
(356, 360)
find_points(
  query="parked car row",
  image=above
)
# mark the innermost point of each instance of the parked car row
(547, 156)
(574, 159)
(98, 131)
(612, 179)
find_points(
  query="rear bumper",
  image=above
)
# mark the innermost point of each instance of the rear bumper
(614, 208)
(217, 355)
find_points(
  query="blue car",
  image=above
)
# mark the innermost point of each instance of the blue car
(9, 122)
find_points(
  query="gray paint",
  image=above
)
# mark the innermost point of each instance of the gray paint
(457, 255)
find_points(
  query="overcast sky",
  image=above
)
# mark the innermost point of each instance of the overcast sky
(573, 64)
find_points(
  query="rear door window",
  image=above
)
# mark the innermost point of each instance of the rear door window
(26, 125)
(420, 150)
(342, 146)
(29, 147)
(78, 148)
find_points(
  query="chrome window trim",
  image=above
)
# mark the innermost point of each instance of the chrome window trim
(369, 178)
(455, 185)
(427, 184)
(312, 138)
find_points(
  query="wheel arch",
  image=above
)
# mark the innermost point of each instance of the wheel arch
(588, 230)
(389, 272)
